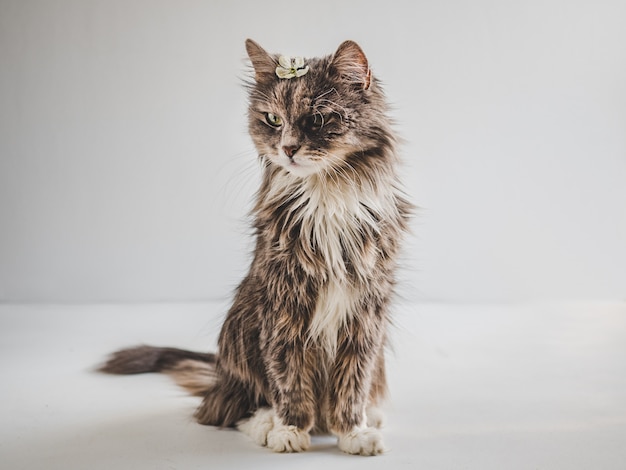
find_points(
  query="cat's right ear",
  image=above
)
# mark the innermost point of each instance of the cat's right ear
(263, 63)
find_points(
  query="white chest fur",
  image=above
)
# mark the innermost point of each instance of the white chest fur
(334, 306)
(336, 217)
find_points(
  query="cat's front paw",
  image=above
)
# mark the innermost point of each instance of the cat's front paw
(287, 438)
(362, 441)
(267, 429)
(258, 425)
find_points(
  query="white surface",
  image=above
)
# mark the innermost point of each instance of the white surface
(125, 168)
(534, 386)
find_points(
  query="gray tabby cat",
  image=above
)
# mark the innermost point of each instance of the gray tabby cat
(302, 347)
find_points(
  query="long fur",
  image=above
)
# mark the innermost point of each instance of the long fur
(302, 346)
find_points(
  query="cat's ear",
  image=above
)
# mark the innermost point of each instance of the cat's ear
(351, 63)
(263, 63)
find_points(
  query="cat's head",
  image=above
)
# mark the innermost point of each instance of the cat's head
(318, 119)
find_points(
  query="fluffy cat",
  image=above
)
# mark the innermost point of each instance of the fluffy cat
(302, 347)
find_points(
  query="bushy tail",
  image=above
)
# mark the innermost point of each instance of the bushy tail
(192, 370)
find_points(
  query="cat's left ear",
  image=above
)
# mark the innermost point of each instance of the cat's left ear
(263, 63)
(351, 63)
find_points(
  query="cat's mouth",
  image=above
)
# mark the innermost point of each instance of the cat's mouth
(298, 165)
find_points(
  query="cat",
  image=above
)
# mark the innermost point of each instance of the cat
(302, 347)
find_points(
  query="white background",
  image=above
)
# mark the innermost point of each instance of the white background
(126, 172)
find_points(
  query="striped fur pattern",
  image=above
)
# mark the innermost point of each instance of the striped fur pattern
(302, 347)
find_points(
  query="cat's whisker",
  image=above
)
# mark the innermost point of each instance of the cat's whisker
(319, 113)
(321, 95)
(344, 111)
(240, 170)
(255, 92)
(341, 165)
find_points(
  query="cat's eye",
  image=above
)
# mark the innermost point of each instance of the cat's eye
(316, 121)
(273, 120)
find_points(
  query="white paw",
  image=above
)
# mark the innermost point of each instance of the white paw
(282, 438)
(258, 425)
(375, 417)
(266, 429)
(362, 441)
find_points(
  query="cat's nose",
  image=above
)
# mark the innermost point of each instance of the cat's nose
(290, 150)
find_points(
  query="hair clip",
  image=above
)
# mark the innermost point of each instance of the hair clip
(291, 67)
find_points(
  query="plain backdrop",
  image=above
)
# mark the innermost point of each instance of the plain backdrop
(126, 177)
(126, 172)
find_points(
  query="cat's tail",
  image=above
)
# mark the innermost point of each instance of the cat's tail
(191, 370)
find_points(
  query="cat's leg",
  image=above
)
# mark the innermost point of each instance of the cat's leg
(293, 411)
(378, 391)
(351, 380)
(360, 436)
(285, 426)
(291, 369)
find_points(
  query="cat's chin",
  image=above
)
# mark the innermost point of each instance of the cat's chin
(300, 171)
